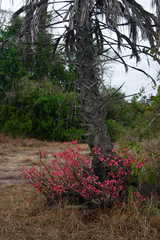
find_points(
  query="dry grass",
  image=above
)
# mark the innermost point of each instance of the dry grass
(8, 144)
(35, 220)
(22, 219)
(142, 149)
(146, 144)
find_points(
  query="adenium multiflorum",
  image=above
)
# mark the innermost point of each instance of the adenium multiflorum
(70, 177)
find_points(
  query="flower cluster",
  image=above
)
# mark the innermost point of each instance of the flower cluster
(70, 176)
(137, 194)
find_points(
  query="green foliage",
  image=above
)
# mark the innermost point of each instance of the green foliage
(149, 124)
(36, 114)
(122, 111)
(37, 66)
(120, 114)
(30, 107)
(146, 171)
(141, 114)
(40, 111)
(12, 66)
(114, 128)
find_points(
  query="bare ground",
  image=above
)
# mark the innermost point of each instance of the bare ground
(15, 153)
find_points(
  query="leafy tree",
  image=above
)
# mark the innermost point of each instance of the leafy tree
(36, 110)
(12, 66)
(88, 36)
(120, 114)
(21, 112)
(153, 114)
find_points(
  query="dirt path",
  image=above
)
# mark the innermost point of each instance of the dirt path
(15, 153)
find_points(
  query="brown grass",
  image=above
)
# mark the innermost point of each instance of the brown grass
(22, 219)
(6, 142)
(35, 220)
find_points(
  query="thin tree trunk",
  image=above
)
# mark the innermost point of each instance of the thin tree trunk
(90, 97)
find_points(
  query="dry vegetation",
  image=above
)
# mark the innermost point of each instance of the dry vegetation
(22, 219)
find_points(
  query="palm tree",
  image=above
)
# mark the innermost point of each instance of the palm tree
(92, 28)
(156, 3)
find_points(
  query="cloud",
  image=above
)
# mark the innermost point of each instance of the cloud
(135, 80)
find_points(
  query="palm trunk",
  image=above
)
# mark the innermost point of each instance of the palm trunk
(90, 97)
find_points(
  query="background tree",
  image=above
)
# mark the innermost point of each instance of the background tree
(87, 35)
(12, 65)
(33, 99)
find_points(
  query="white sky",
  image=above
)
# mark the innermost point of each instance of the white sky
(134, 80)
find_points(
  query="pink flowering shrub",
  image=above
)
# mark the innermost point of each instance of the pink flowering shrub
(69, 177)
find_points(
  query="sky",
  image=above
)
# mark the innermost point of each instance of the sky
(133, 80)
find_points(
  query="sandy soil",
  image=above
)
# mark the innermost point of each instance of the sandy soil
(15, 153)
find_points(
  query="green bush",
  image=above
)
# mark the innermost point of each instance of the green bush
(39, 111)
(114, 128)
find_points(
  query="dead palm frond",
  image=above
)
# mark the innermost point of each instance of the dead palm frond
(108, 17)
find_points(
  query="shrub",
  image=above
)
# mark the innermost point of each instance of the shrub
(40, 111)
(115, 129)
(70, 178)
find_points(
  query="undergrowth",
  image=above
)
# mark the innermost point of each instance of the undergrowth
(69, 178)
(21, 217)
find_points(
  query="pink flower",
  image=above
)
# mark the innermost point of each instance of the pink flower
(120, 187)
(78, 147)
(68, 172)
(51, 154)
(44, 153)
(74, 142)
